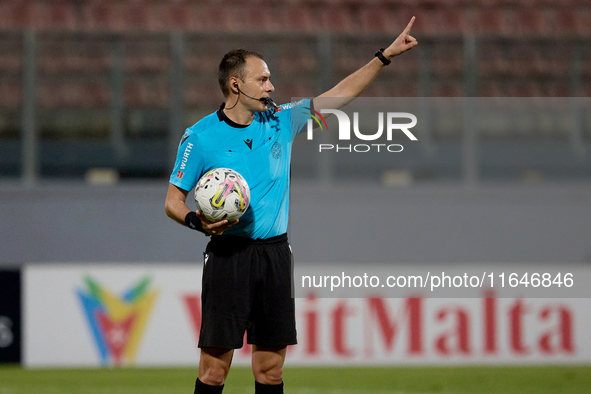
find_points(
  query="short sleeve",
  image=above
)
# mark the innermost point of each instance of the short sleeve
(296, 114)
(189, 163)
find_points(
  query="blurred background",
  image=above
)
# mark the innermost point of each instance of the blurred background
(113, 84)
(95, 96)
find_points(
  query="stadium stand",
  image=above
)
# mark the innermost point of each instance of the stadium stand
(89, 53)
(501, 17)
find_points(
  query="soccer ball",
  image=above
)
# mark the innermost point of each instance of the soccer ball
(221, 194)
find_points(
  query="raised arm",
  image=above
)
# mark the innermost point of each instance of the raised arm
(354, 84)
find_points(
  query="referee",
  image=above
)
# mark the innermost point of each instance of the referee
(247, 262)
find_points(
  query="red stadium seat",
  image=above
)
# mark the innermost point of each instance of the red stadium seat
(528, 60)
(376, 19)
(394, 88)
(10, 94)
(492, 60)
(136, 15)
(557, 89)
(97, 15)
(297, 18)
(176, 15)
(424, 22)
(453, 21)
(140, 93)
(448, 89)
(18, 14)
(11, 58)
(441, 21)
(206, 17)
(261, 19)
(492, 20)
(72, 95)
(564, 21)
(338, 18)
(203, 95)
(52, 63)
(62, 15)
(490, 89)
(525, 89)
(530, 20)
(294, 89)
(407, 66)
(570, 21)
(204, 63)
(447, 64)
(147, 63)
(299, 58)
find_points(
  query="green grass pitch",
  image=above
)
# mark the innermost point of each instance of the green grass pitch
(349, 380)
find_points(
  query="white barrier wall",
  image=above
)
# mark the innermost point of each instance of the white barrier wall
(148, 315)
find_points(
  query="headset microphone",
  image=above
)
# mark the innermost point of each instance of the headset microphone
(268, 101)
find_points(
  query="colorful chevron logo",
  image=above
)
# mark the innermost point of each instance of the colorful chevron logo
(315, 115)
(117, 323)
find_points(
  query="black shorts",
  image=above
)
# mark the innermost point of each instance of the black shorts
(247, 285)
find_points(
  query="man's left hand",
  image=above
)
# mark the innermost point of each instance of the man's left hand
(402, 43)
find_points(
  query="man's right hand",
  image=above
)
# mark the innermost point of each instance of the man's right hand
(215, 228)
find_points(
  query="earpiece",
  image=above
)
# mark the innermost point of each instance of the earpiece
(269, 103)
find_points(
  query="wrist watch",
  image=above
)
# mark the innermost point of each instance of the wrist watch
(380, 55)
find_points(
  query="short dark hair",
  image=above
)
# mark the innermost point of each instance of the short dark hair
(232, 65)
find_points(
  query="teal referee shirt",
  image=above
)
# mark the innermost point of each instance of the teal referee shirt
(260, 152)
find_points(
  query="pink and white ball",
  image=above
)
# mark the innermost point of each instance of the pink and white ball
(222, 193)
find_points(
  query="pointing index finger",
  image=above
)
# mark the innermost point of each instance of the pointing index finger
(408, 27)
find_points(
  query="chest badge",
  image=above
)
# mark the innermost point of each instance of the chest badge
(248, 143)
(276, 150)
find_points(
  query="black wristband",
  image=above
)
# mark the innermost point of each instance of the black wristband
(380, 55)
(192, 221)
